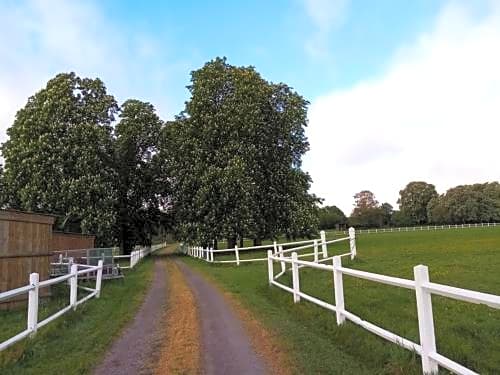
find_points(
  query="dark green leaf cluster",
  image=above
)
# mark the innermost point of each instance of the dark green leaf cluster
(466, 204)
(331, 217)
(64, 157)
(234, 155)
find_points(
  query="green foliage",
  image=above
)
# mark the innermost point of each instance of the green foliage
(330, 217)
(234, 154)
(400, 219)
(139, 187)
(59, 155)
(466, 204)
(413, 200)
(367, 211)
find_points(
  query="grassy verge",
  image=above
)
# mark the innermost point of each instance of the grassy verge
(467, 333)
(77, 341)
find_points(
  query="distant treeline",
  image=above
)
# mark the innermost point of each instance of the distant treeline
(420, 204)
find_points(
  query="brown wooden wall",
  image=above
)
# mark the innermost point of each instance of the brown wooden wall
(68, 241)
(25, 240)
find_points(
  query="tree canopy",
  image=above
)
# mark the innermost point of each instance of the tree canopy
(140, 185)
(466, 204)
(58, 158)
(235, 155)
(413, 201)
(330, 217)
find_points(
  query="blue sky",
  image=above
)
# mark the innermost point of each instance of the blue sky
(274, 35)
(399, 90)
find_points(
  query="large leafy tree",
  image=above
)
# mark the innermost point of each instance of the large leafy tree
(413, 200)
(466, 204)
(367, 211)
(59, 155)
(235, 153)
(140, 186)
(330, 217)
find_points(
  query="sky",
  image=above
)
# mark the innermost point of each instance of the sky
(399, 90)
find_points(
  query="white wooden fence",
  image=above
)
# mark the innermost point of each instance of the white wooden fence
(33, 288)
(426, 228)
(138, 254)
(421, 284)
(207, 253)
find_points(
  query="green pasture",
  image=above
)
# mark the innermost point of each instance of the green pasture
(467, 333)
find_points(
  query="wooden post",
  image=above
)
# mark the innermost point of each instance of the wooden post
(33, 304)
(324, 248)
(212, 254)
(275, 247)
(425, 319)
(316, 255)
(208, 254)
(98, 279)
(237, 253)
(338, 285)
(270, 270)
(73, 282)
(352, 242)
(295, 278)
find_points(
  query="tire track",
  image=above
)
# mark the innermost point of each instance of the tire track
(226, 347)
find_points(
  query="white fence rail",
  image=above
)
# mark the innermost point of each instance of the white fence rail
(33, 288)
(207, 253)
(426, 228)
(137, 255)
(423, 287)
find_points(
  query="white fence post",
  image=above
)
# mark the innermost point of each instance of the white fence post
(338, 285)
(212, 254)
(316, 255)
(352, 242)
(208, 254)
(73, 283)
(283, 265)
(270, 270)
(132, 259)
(98, 279)
(324, 248)
(295, 278)
(237, 253)
(275, 247)
(425, 319)
(33, 304)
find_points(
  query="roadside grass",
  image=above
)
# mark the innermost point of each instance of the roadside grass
(77, 341)
(467, 333)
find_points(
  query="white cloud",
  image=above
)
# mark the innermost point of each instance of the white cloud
(39, 39)
(325, 15)
(434, 115)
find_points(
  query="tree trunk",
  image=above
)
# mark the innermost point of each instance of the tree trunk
(257, 241)
(215, 244)
(231, 242)
(241, 242)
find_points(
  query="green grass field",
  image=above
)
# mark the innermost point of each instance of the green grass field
(466, 333)
(77, 341)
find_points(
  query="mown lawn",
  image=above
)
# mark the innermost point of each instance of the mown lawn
(467, 333)
(77, 341)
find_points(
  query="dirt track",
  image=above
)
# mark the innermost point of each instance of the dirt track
(134, 352)
(225, 344)
(224, 347)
